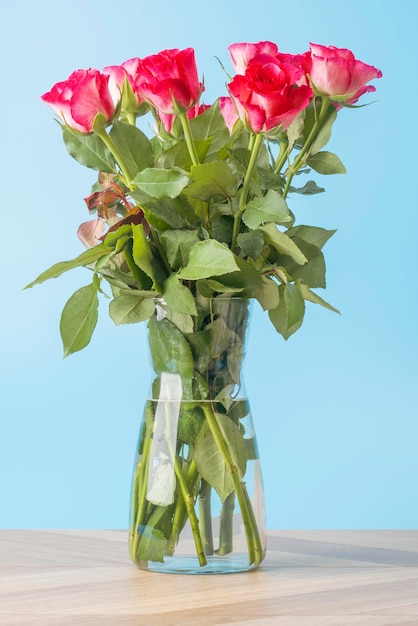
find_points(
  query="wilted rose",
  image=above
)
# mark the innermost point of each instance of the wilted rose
(83, 100)
(335, 72)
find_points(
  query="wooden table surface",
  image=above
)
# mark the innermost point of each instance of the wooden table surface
(310, 578)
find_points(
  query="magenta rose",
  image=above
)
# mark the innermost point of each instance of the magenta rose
(268, 94)
(335, 72)
(242, 53)
(81, 98)
(169, 80)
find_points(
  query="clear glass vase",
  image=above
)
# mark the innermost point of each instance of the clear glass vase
(197, 495)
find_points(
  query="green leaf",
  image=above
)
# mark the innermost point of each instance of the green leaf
(134, 145)
(247, 279)
(85, 258)
(179, 297)
(79, 318)
(309, 189)
(208, 258)
(179, 155)
(190, 423)
(152, 544)
(183, 321)
(178, 244)
(89, 150)
(311, 234)
(160, 183)
(131, 309)
(282, 243)
(141, 251)
(209, 460)
(295, 130)
(164, 214)
(212, 180)
(142, 279)
(287, 317)
(326, 163)
(312, 272)
(171, 352)
(270, 208)
(211, 125)
(311, 296)
(113, 236)
(268, 294)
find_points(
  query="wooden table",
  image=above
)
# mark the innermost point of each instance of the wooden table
(310, 578)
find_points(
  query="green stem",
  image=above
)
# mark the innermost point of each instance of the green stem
(139, 503)
(109, 143)
(300, 159)
(258, 140)
(180, 513)
(226, 525)
(255, 550)
(281, 157)
(189, 138)
(205, 516)
(189, 502)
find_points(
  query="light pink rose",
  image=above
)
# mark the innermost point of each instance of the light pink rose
(229, 112)
(80, 98)
(242, 53)
(169, 80)
(335, 72)
(117, 76)
(268, 94)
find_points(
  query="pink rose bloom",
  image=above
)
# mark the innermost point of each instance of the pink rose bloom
(268, 94)
(80, 98)
(167, 119)
(229, 112)
(335, 72)
(242, 53)
(117, 76)
(302, 62)
(169, 80)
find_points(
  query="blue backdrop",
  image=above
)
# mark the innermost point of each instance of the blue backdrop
(335, 406)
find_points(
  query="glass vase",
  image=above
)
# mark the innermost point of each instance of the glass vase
(197, 501)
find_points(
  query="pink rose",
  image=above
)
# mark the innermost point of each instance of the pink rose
(117, 76)
(169, 80)
(229, 112)
(335, 72)
(242, 53)
(302, 62)
(79, 99)
(167, 119)
(268, 94)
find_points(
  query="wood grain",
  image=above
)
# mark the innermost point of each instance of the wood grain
(310, 578)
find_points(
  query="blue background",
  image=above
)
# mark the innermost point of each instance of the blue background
(335, 406)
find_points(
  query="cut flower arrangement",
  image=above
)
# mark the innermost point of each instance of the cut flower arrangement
(185, 218)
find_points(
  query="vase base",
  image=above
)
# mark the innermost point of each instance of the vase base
(190, 565)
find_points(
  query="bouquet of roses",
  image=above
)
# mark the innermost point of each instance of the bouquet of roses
(186, 219)
(201, 207)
